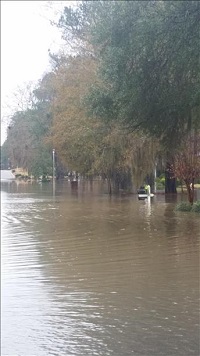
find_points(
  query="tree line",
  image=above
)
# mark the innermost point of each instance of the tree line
(126, 101)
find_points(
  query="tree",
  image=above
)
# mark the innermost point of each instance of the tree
(5, 164)
(148, 64)
(89, 145)
(72, 133)
(186, 166)
(25, 145)
(19, 141)
(41, 164)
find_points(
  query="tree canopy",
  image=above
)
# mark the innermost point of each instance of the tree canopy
(148, 54)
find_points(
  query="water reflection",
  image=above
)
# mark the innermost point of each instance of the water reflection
(84, 274)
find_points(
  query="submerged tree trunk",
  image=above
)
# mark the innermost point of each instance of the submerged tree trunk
(91, 182)
(109, 186)
(190, 191)
(170, 181)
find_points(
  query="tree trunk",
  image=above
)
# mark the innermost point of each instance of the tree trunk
(116, 181)
(190, 191)
(170, 181)
(91, 183)
(109, 186)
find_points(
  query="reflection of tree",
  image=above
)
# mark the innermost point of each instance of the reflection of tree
(171, 198)
(11, 186)
(169, 216)
(179, 230)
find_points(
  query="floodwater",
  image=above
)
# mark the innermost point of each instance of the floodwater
(84, 274)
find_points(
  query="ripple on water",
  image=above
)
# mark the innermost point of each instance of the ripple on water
(98, 276)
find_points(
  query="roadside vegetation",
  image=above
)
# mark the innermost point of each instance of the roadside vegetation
(186, 206)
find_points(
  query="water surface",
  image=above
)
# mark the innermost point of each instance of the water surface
(84, 274)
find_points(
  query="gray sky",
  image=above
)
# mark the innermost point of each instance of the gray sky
(26, 36)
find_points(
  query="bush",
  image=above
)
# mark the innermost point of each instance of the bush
(183, 206)
(160, 186)
(160, 180)
(196, 207)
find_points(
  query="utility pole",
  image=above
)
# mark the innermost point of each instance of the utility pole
(53, 163)
(53, 172)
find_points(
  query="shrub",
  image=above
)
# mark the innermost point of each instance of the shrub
(183, 206)
(162, 175)
(160, 180)
(159, 186)
(196, 207)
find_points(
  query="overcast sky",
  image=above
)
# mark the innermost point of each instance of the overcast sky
(26, 36)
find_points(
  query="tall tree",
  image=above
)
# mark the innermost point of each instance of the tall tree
(149, 64)
(25, 144)
(87, 145)
(186, 164)
(72, 133)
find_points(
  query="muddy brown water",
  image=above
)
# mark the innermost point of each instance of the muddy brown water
(84, 274)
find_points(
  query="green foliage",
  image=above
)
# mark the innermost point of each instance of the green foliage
(149, 62)
(25, 145)
(186, 206)
(4, 157)
(19, 140)
(42, 162)
(160, 180)
(183, 206)
(196, 207)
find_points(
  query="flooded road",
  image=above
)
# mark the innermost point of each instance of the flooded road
(84, 274)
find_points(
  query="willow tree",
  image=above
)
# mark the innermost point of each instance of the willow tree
(141, 155)
(72, 134)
